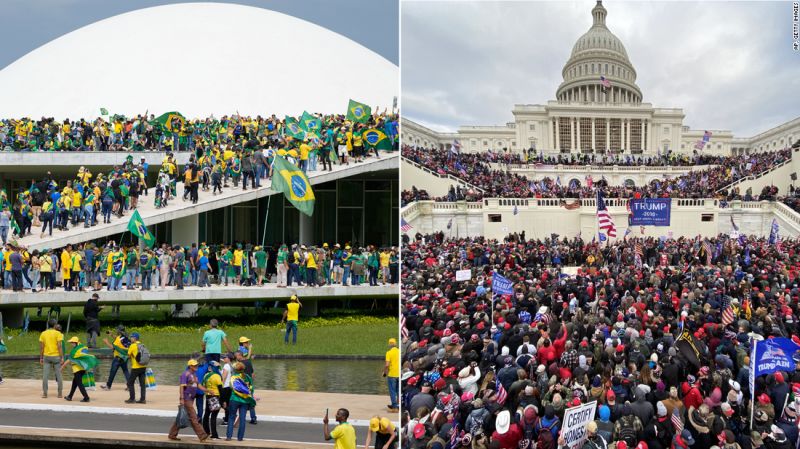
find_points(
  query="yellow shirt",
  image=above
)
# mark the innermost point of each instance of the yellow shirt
(385, 259)
(310, 262)
(344, 436)
(212, 384)
(52, 341)
(66, 263)
(76, 199)
(304, 150)
(76, 261)
(237, 258)
(292, 308)
(393, 357)
(45, 264)
(133, 349)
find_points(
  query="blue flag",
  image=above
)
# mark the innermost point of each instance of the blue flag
(601, 237)
(773, 234)
(501, 285)
(747, 259)
(769, 356)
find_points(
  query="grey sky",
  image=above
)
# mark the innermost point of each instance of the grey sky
(728, 65)
(26, 25)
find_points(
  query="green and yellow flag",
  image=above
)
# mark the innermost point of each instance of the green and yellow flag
(136, 227)
(293, 129)
(310, 123)
(168, 118)
(80, 356)
(375, 138)
(358, 112)
(290, 180)
(103, 111)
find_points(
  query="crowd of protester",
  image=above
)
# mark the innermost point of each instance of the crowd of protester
(531, 157)
(712, 182)
(144, 132)
(229, 154)
(639, 328)
(86, 266)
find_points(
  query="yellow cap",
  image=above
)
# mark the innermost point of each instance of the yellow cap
(392, 341)
(347, 247)
(324, 245)
(243, 339)
(374, 424)
(192, 362)
(73, 340)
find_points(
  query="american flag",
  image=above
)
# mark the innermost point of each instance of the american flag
(638, 250)
(404, 226)
(454, 434)
(707, 250)
(501, 392)
(727, 316)
(604, 220)
(403, 328)
(677, 421)
(532, 187)
(604, 83)
(589, 181)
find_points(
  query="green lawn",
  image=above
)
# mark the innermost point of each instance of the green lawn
(336, 332)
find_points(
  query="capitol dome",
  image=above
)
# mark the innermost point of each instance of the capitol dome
(199, 59)
(599, 53)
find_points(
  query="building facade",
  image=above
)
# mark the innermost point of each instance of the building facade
(590, 117)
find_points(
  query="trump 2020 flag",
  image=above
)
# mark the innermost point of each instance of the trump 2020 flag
(290, 180)
(773, 233)
(501, 285)
(136, 227)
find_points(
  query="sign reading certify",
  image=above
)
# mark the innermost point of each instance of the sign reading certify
(651, 212)
(575, 421)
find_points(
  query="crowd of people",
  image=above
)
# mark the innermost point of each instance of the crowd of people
(226, 153)
(712, 182)
(146, 132)
(532, 157)
(87, 266)
(657, 331)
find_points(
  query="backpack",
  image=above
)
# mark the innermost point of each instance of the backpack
(143, 355)
(545, 439)
(626, 432)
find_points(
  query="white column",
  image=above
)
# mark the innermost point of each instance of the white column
(306, 230)
(185, 230)
(608, 134)
(571, 134)
(593, 141)
(649, 136)
(578, 133)
(641, 133)
(628, 138)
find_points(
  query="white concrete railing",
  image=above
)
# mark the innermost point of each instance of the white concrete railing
(787, 213)
(757, 175)
(611, 168)
(443, 176)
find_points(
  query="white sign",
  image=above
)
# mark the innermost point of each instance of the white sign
(463, 275)
(575, 421)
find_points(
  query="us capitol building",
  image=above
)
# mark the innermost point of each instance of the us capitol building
(586, 118)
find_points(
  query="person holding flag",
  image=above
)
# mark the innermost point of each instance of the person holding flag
(81, 362)
(119, 350)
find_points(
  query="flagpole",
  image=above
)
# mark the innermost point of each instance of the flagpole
(752, 383)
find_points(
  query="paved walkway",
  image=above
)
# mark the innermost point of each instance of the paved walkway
(274, 406)
(180, 209)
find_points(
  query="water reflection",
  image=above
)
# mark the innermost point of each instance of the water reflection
(331, 376)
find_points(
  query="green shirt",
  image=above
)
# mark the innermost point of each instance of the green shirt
(282, 255)
(261, 258)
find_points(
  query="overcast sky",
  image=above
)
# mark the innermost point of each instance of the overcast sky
(728, 65)
(26, 25)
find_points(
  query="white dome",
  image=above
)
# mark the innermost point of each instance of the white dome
(199, 59)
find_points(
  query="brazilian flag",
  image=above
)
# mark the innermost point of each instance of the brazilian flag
(290, 180)
(103, 111)
(81, 357)
(310, 123)
(166, 120)
(358, 112)
(375, 138)
(136, 227)
(293, 129)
